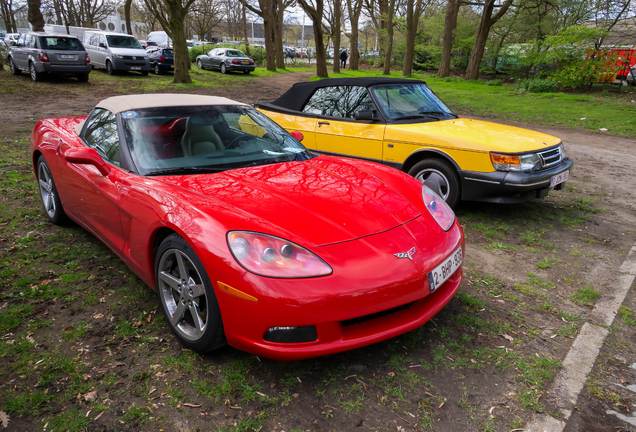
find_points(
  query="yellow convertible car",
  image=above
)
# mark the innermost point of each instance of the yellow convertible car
(403, 124)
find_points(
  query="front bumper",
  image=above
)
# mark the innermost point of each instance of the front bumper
(131, 65)
(371, 295)
(510, 187)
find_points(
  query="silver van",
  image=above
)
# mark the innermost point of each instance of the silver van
(40, 54)
(116, 52)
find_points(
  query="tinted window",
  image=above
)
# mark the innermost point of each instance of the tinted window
(167, 52)
(115, 41)
(61, 43)
(101, 134)
(29, 41)
(235, 53)
(339, 101)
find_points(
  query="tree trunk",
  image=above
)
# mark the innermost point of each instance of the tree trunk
(35, 15)
(354, 7)
(412, 19)
(266, 12)
(247, 42)
(127, 5)
(316, 15)
(180, 47)
(280, 54)
(389, 38)
(487, 21)
(335, 36)
(450, 23)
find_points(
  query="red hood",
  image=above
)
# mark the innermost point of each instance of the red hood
(324, 200)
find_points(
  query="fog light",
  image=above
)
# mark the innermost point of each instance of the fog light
(291, 334)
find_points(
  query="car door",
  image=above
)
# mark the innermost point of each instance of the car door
(207, 59)
(89, 195)
(337, 132)
(217, 56)
(20, 53)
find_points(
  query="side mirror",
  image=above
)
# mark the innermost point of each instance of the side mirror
(363, 115)
(86, 156)
(298, 135)
(102, 45)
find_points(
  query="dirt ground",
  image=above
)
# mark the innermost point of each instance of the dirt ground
(474, 367)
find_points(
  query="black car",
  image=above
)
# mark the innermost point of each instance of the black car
(226, 60)
(161, 59)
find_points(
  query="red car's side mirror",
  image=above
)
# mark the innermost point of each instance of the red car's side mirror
(298, 135)
(86, 156)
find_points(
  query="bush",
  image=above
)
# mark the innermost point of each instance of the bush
(427, 57)
(495, 82)
(536, 85)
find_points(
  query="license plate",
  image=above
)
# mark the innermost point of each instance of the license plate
(135, 68)
(559, 178)
(172, 66)
(67, 57)
(245, 62)
(442, 272)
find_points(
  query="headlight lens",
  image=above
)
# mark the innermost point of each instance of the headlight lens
(437, 207)
(116, 56)
(271, 256)
(525, 162)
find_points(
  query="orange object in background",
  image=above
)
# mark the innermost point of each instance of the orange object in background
(618, 64)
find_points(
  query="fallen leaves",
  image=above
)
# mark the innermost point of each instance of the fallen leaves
(4, 419)
(90, 396)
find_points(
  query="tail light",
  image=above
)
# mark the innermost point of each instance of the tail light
(162, 59)
(88, 59)
(235, 62)
(44, 57)
(251, 62)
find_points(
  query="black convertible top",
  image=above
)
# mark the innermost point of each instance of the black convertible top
(295, 98)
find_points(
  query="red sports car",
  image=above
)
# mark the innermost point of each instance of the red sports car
(247, 237)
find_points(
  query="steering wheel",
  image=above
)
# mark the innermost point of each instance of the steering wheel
(235, 141)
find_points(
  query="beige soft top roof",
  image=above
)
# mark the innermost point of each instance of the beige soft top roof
(118, 104)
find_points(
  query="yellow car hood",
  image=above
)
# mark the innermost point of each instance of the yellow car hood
(475, 135)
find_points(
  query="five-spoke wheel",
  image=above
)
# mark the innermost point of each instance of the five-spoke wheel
(48, 193)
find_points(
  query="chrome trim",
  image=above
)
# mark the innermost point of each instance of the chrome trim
(530, 184)
(480, 180)
(408, 254)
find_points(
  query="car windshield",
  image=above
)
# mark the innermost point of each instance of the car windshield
(61, 43)
(122, 42)
(409, 101)
(182, 140)
(234, 53)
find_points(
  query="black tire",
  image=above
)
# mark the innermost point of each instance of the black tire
(246, 72)
(157, 69)
(194, 295)
(35, 75)
(440, 177)
(48, 193)
(13, 68)
(200, 64)
(144, 73)
(223, 68)
(82, 77)
(109, 68)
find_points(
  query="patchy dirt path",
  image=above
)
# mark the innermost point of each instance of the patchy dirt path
(484, 363)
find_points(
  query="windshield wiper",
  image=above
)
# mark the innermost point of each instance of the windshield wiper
(186, 170)
(439, 112)
(420, 115)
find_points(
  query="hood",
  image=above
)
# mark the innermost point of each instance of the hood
(137, 52)
(323, 201)
(475, 135)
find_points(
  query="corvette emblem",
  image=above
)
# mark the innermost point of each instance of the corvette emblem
(409, 254)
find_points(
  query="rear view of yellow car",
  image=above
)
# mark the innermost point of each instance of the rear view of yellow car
(403, 124)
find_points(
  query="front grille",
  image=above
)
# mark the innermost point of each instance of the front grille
(133, 58)
(551, 157)
(370, 317)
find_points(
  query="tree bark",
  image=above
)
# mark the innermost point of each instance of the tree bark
(413, 10)
(389, 38)
(266, 12)
(316, 13)
(247, 41)
(278, 33)
(354, 7)
(35, 15)
(127, 5)
(335, 35)
(450, 24)
(487, 21)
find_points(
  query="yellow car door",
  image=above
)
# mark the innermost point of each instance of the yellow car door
(337, 132)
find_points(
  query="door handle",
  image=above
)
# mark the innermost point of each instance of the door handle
(320, 123)
(390, 145)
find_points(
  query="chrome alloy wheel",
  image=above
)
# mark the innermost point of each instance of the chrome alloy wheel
(47, 190)
(436, 180)
(182, 292)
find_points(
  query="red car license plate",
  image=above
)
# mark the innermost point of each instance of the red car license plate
(442, 272)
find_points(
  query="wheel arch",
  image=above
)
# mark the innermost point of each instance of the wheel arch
(428, 153)
(36, 155)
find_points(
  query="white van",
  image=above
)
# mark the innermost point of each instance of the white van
(161, 38)
(115, 52)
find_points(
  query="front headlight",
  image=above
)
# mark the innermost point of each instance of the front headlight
(437, 207)
(525, 162)
(266, 255)
(116, 56)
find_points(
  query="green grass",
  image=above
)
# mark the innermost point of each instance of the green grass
(585, 296)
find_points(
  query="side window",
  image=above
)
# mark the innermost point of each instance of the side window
(315, 103)
(21, 40)
(29, 41)
(344, 101)
(101, 134)
(102, 40)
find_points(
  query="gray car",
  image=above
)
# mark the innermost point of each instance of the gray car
(226, 60)
(42, 53)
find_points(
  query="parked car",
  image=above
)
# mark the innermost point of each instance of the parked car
(11, 38)
(290, 52)
(160, 38)
(403, 124)
(226, 60)
(41, 54)
(116, 52)
(161, 60)
(228, 216)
